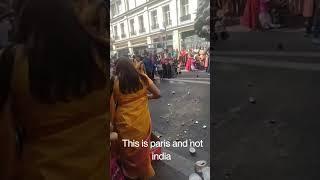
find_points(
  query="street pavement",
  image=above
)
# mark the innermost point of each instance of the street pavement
(174, 117)
(290, 40)
(275, 136)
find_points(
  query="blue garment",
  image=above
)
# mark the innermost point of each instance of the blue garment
(316, 28)
(4, 33)
(148, 64)
(316, 22)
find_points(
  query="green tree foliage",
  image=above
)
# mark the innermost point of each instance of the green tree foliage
(202, 21)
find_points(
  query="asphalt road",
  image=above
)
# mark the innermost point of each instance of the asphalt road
(277, 136)
(291, 41)
(182, 116)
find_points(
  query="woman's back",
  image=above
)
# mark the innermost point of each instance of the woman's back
(132, 117)
(59, 90)
(63, 140)
(133, 111)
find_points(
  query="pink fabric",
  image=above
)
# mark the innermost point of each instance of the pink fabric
(183, 53)
(308, 7)
(163, 60)
(167, 60)
(264, 6)
(155, 150)
(115, 170)
(250, 15)
(188, 64)
(206, 62)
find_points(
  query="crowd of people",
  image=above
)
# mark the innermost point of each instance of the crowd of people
(266, 14)
(162, 64)
(194, 59)
(170, 64)
(258, 15)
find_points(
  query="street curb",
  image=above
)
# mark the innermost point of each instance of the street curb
(310, 54)
(199, 78)
(270, 41)
(273, 56)
(269, 63)
(188, 81)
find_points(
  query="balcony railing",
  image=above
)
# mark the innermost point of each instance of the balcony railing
(168, 23)
(185, 17)
(123, 35)
(133, 33)
(142, 30)
(155, 26)
(116, 37)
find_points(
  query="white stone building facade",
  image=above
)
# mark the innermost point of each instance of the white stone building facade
(136, 25)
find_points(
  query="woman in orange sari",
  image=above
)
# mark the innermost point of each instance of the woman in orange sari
(132, 118)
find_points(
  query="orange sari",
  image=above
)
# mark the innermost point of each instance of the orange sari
(133, 122)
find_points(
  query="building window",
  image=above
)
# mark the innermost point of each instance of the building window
(141, 25)
(116, 8)
(132, 27)
(139, 2)
(115, 32)
(166, 15)
(113, 10)
(119, 6)
(184, 7)
(156, 43)
(185, 15)
(154, 20)
(123, 35)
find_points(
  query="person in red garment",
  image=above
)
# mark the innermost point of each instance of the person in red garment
(250, 16)
(308, 14)
(183, 56)
(189, 62)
